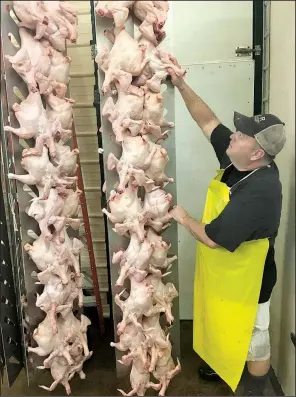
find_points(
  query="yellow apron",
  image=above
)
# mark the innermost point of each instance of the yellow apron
(226, 292)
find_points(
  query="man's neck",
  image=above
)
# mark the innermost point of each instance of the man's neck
(250, 167)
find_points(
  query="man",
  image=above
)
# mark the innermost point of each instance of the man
(235, 267)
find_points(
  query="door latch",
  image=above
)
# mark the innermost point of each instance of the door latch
(93, 50)
(243, 51)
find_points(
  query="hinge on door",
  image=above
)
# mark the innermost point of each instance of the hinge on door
(246, 51)
(93, 49)
(97, 98)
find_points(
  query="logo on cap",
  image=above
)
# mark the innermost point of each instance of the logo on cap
(259, 118)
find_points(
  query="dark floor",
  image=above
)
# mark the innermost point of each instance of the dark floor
(101, 377)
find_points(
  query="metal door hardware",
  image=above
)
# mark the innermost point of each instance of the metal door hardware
(293, 338)
(243, 51)
(94, 51)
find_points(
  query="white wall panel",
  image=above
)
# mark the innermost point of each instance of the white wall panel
(206, 31)
(282, 103)
(225, 87)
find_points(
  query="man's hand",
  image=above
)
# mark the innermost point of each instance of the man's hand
(179, 214)
(178, 81)
(196, 228)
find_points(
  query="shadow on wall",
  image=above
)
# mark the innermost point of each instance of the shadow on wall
(286, 349)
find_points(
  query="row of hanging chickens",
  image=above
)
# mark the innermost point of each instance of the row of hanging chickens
(51, 166)
(134, 70)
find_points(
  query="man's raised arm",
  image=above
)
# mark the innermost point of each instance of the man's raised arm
(199, 110)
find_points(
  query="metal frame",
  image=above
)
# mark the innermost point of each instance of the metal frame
(115, 241)
(92, 260)
(258, 7)
(266, 56)
(96, 105)
(14, 214)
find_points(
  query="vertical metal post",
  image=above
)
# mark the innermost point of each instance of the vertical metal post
(258, 6)
(266, 56)
(96, 104)
(92, 260)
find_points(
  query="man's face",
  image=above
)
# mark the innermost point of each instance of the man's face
(242, 149)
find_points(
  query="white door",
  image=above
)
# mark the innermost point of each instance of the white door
(205, 36)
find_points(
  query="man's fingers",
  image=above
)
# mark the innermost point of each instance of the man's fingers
(171, 72)
(174, 61)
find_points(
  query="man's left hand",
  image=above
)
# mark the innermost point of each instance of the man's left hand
(179, 214)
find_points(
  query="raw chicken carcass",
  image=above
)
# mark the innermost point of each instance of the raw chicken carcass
(60, 67)
(138, 151)
(163, 9)
(144, 154)
(163, 295)
(139, 303)
(78, 329)
(155, 72)
(159, 258)
(48, 212)
(58, 77)
(49, 341)
(165, 370)
(127, 113)
(126, 172)
(71, 203)
(118, 10)
(126, 211)
(31, 116)
(65, 159)
(132, 339)
(140, 380)
(146, 12)
(41, 172)
(43, 210)
(61, 108)
(62, 24)
(32, 62)
(58, 298)
(156, 205)
(30, 14)
(154, 115)
(62, 372)
(141, 153)
(70, 248)
(126, 55)
(156, 340)
(157, 167)
(134, 261)
(47, 259)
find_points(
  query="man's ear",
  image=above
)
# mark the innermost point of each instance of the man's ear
(258, 154)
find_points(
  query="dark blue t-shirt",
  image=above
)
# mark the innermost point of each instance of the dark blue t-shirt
(254, 209)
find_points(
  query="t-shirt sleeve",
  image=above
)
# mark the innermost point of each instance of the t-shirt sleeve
(248, 216)
(220, 139)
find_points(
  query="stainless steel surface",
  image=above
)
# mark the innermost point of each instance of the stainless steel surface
(17, 203)
(17, 219)
(116, 241)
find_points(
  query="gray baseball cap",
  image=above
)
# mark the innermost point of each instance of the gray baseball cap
(267, 129)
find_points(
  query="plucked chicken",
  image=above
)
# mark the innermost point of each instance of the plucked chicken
(125, 55)
(127, 113)
(41, 172)
(118, 10)
(31, 62)
(156, 206)
(126, 211)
